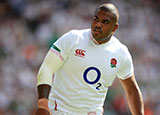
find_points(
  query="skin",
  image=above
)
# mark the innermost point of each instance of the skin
(134, 95)
(103, 26)
(43, 93)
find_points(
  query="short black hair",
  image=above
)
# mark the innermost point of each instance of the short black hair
(109, 8)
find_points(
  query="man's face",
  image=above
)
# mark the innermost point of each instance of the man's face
(103, 25)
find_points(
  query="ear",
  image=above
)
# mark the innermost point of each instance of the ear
(115, 27)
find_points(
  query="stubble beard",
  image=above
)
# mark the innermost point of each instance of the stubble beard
(105, 39)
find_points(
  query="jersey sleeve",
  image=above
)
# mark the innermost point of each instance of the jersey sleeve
(51, 63)
(65, 44)
(55, 58)
(127, 69)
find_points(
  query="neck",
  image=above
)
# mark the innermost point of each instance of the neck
(102, 40)
(93, 39)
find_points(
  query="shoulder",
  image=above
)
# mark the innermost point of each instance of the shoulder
(120, 47)
(72, 37)
(77, 35)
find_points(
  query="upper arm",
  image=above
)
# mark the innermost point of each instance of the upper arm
(66, 42)
(134, 95)
(129, 84)
(50, 65)
(126, 70)
(54, 59)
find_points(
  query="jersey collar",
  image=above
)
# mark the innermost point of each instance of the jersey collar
(96, 43)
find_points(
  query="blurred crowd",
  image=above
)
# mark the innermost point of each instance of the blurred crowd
(29, 27)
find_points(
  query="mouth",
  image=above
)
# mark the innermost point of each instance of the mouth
(98, 31)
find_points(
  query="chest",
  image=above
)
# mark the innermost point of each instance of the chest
(94, 62)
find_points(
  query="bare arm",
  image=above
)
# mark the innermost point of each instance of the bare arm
(43, 91)
(50, 65)
(134, 96)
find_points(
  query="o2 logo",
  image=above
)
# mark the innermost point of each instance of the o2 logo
(97, 78)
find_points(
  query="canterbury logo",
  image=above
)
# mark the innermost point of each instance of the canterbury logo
(80, 52)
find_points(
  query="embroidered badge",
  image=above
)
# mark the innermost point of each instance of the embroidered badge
(113, 62)
(92, 113)
(80, 53)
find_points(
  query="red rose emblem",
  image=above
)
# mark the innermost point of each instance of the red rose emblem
(113, 62)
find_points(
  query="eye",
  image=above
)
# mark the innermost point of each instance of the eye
(106, 22)
(95, 18)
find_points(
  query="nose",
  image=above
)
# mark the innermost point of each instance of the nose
(99, 25)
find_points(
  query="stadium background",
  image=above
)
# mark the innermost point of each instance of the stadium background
(28, 28)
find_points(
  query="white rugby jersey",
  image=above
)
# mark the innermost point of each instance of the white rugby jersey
(81, 84)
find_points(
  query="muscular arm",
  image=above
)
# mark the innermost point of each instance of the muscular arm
(43, 91)
(134, 96)
(49, 66)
